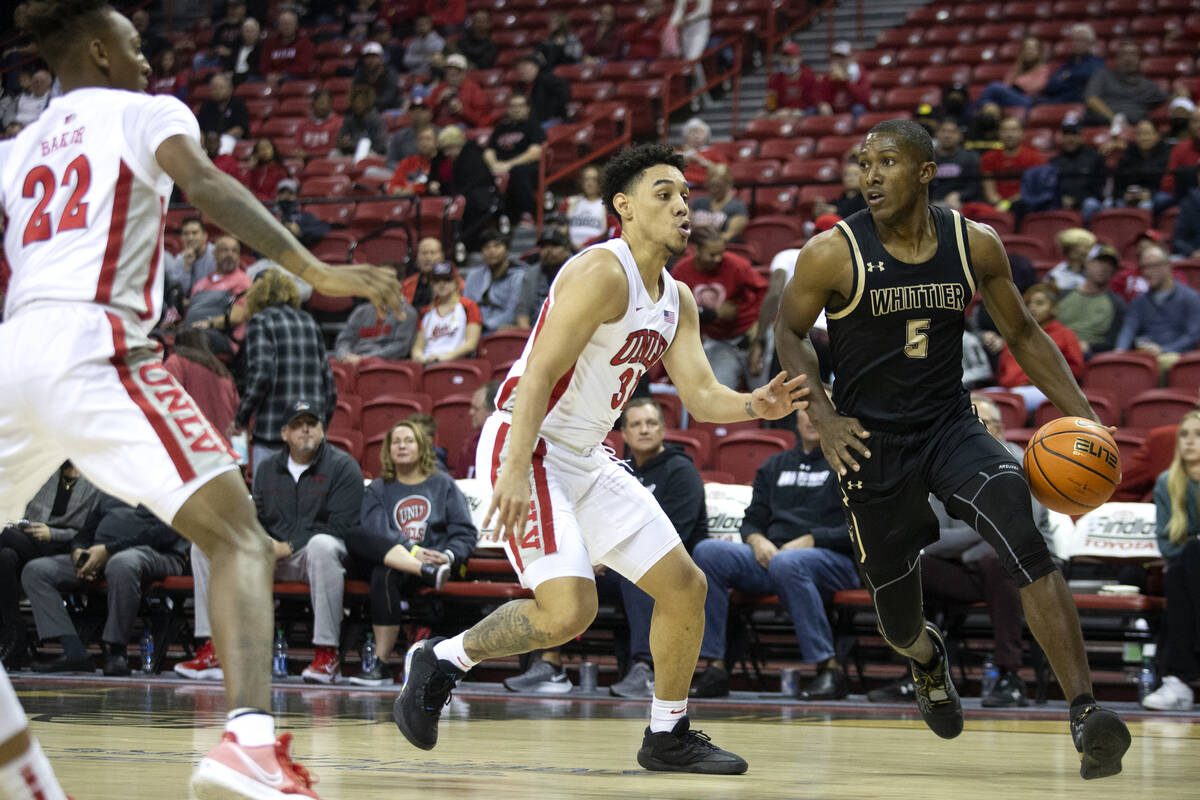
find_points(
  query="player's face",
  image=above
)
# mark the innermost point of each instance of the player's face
(658, 208)
(127, 68)
(891, 175)
(1188, 440)
(643, 430)
(404, 450)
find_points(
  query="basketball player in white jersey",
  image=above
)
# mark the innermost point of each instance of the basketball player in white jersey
(562, 502)
(84, 190)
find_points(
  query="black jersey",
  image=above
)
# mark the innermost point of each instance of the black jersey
(897, 342)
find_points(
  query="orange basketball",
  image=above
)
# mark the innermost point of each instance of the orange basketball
(1073, 465)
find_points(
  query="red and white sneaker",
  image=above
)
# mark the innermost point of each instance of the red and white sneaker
(326, 667)
(204, 667)
(233, 772)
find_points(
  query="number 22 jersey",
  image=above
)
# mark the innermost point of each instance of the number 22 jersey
(85, 202)
(590, 396)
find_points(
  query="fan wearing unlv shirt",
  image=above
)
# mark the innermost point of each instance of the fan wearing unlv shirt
(561, 503)
(451, 325)
(85, 190)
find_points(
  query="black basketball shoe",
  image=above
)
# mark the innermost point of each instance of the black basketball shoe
(684, 750)
(428, 682)
(1101, 738)
(936, 696)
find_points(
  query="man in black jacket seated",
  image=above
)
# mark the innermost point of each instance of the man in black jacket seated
(794, 544)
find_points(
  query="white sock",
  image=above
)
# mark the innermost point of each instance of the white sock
(29, 777)
(454, 651)
(252, 728)
(665, 713)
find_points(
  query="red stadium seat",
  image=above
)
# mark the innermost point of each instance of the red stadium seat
(775, 199)
(741, 454)
(380, 378)
(386, 246)
(1169, 67)
(334, 248)
(672, 408)
(593, 92)
(921, 56)
(810, 194)
(326, 186)
(1185, 374)
(345, 377)
(462, 376)
(381, 413)
(990, 71)
(623, 71)
(968, 54)
(1124, 375)
(1045, 225)
(642, 98)
(298, 88)
(899, 38)
(1155, 407)
(1011, 405)
(1051, 115)
(836, 146)
(818, 125)
(350, 441)
(1119, 226)
(334, 48)
(812, 170)
(1101, 402)
(575, 73)
(999, 32)
(696, 443)
(1050, 30)
(773, 233)
(503, 346)
(876, 59)
(1077, 9)
(739, 149)
(348, 413)
(1002, 221)
(716, 476)
(764, 128)
(750, 173)
(453, 417)
(784, 149)
(379, 213)
(327, 166)
(1032, 247)
(907, 98)
(256, 89)
(944, 74)
(892, 77)
(279, 128)
(1025, 11)
(870, 119)
(976, 12)
(948, 35)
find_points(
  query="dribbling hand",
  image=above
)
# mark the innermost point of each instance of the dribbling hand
(780, 397)
(510, 505)
(378, 284)
(841, 438)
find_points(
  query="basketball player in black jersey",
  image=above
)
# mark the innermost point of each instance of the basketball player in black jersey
(894, 282)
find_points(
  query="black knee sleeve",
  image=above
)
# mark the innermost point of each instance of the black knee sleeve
(896, 594)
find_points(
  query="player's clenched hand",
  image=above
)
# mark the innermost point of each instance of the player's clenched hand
(510, 505)
(377, 284)
(841, 439)
(779, 397)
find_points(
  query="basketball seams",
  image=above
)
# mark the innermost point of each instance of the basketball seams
(1081, 466)
(1046, 481)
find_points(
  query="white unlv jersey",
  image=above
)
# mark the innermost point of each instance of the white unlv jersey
(86, 200)
(589, 398)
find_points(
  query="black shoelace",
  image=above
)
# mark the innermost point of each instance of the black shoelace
(438, 692)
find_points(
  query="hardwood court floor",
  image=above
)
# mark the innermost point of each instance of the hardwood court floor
(117, 740)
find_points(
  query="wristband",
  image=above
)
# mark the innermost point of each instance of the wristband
(413, 550)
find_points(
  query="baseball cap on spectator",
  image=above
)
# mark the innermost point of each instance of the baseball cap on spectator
(457, 61)
(790, 49)
(825, 222)
(1071, 126)
(555, 236)
(842, 48)
(287, 184)
(1106, 251)
(1181, 102)
(303, 408)
(372, 48)
(1152, 235)
(442, 271)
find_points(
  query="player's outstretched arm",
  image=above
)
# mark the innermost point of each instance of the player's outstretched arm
(231, 205)
(1036, 352)
(705, 398)
(592, 290)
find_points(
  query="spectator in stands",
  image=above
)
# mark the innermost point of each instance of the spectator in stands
(424, 46)
(428, 424)
(196, 260)
(365, 335)
(1093, 310)
(1082, 172)
(1185, 237)
(167, 77)
(287, 54)
(304, 225)
(360, 19)
(265, 170)
(956, 104)
(850, 200)
(554, 248)
(309, 498)
(417, 288)
(222, 112)
(514, 149)
(698, 152)
(644, 36)
(1025, 81)
(693, 20)
(1070, 78)
(1122, 90)
(792, 90)
(218, 300)
(33, 101)
(362, 123)
(458, 100)
(1141, 168)
(373, 71)
(1042, 301)
(1076, 246)
(1177, 523)
(496, 285)
(448, 15)
(604, 41)
(459, 169)
(451, 324)
(412, 174)
(125, 546)
(52, 518)
(1002, 169)
(548, 93)
(845, 87)
(403, 143)
(957, 180)
(245, 56)
(152, 43)
(721, 209)
(1181, 164)
(483, 403)
(561, 45)
(416, 531)
(204, 377)
(983, 131)
(227, 34)
(1179, 118)
(585, 212)
(477, 44)
(729, 293)
(316, 136)
(286, 363)
(794, 544)
(1165, 320)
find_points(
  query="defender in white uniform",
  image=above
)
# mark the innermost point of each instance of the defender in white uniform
(562, 502)
(84, 191)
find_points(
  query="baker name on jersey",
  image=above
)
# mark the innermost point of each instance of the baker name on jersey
(181, 410)
(64, 140)
(643, 347)
(893, 299)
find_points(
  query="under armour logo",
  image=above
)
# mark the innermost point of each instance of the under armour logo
(874, 266)
(854, 484)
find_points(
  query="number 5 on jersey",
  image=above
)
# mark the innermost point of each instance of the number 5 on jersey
(39, 227)
(917, 344)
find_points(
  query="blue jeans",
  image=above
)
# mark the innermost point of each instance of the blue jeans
(803, 579)
(1004, 96)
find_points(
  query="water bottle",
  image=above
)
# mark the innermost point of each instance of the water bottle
(991, 675)
(1146, 676)
(147, 652)
(279, 665)
(368, 653)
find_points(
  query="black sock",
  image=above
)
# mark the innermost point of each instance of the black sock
(933, 663)
(73, 648)
(116, 649)
(1081, 701)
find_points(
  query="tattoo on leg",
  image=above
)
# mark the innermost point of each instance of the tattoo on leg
(507, 631)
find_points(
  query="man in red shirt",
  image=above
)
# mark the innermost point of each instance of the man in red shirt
(1002, 169)
(412, 173)
(729, 294)
(793, 89)
(844, 89)
(286, 53)
(317, 135)
(1184, 154)
(458, 100)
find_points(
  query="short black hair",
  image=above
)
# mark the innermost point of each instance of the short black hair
(193, 219)
(911, 134)
(54, 24)
(623, 172)
(490, 235)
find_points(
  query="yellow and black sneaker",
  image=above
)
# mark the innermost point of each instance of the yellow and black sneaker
(1101, 738)
(936, 696)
